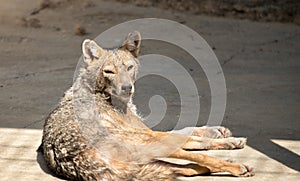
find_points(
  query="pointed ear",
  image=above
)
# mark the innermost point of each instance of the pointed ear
(91, 50)
(132, 43)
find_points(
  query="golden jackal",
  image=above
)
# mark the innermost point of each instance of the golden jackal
(95, 133)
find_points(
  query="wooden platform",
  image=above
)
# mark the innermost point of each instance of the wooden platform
(20, 161)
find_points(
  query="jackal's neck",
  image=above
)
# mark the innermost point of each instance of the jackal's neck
(85, 85)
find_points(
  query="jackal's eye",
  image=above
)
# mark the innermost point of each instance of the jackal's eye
(108, 72)
(129, 67)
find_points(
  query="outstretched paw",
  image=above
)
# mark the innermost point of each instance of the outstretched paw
(247, 171)
(223, 132)
(228, 143)
(236, 143)
(212, 132)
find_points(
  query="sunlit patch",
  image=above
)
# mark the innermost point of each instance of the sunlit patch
(18, 158)
(292, 145)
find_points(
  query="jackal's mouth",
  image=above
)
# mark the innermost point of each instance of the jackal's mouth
(126, 94)
(120, 101)
(122, 94)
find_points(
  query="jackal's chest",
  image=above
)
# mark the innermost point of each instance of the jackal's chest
(111, 118)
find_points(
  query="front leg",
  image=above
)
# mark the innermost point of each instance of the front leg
(201, 143)
(205, 131)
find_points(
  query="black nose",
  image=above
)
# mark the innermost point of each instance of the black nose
(126, 87)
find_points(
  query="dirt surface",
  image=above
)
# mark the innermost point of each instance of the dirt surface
(257, 10)
(41, 45)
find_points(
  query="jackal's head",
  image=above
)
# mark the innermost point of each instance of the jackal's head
(114, 71)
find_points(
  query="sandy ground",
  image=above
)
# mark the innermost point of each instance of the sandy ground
(260, 62)
(258, 10)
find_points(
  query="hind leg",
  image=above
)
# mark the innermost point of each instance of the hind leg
(163, 145)
(189, 169)
(213, 164)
